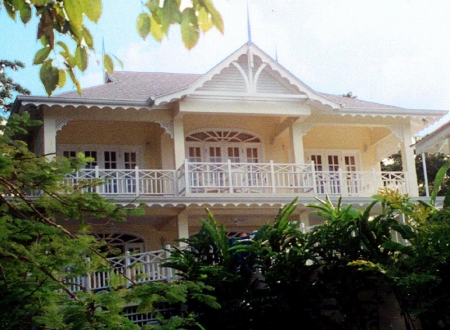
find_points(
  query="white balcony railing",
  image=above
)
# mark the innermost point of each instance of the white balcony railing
(137, 268)
(195, 178)
(126, 182)
(273, 178)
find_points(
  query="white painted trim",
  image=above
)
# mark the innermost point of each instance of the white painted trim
(241, 70)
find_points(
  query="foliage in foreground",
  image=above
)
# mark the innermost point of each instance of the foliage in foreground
(66, 20)
(39, 258)
(8, 88)
(354, 271)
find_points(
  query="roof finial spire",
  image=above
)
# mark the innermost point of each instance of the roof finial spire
(249, 27)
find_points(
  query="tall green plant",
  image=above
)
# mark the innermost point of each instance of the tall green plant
(40, 258)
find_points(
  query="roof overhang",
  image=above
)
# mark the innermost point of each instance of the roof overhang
(437, 141)
(395, 112)
(24, 100)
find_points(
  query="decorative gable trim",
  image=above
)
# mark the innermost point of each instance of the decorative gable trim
(249, 72)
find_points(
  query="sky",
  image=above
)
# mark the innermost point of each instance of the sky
(384, 51)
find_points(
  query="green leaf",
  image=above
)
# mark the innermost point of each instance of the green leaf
(74, 80)
(75, 12)
(41, 55)
(155, 29)
(447, 200)
(49, 76)
(44, 41)
(81, 58)
(71, 61)
(61, 78)
(93, 9)
(394, 246)
(87, 36)
(189, 28)
(152, 5)
(10, 10)
(204, 20)
(45, 28)
(143, 25)
(108, 63)
(215, 15)
(170, 14)
(25, 13)
(64, 47)
(438, 181)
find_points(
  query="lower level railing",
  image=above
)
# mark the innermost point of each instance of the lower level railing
(136, 268)
(231, 178)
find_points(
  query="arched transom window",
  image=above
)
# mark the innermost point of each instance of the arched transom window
(122, 242)
(216, 146)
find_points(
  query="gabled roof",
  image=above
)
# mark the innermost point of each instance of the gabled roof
(254, 70)
(136, 86)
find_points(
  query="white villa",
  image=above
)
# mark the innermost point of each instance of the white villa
(243, 139)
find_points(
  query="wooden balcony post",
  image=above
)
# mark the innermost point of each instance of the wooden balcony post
(375, 184)
(406, 179)
(136, 177)
(97, 175)
(342, 183)
(127, 267)
(168, 269)
(187, 187)
(175, 182)
(272, 176)
(313, 174)
(230, 176)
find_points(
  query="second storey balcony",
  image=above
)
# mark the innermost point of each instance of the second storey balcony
(245, 179)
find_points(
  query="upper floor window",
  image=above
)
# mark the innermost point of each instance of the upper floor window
(223, 136)
(104, 156)
(220, 145)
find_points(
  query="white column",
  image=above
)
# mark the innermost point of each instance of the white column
(178, 142)
(408, 161)
(425, 174)
(296, 135)
(183, 226)
(304, 219)
(167, 161)
(49, 142)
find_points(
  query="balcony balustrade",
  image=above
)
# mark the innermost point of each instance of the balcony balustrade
(194, 178)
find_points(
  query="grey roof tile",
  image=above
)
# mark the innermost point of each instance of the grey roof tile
(136, 86)
(352, 103)
(140, 86)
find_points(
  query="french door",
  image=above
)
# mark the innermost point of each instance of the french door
(219, 153)
(105, 157)
(213, 175)
(329, 178)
